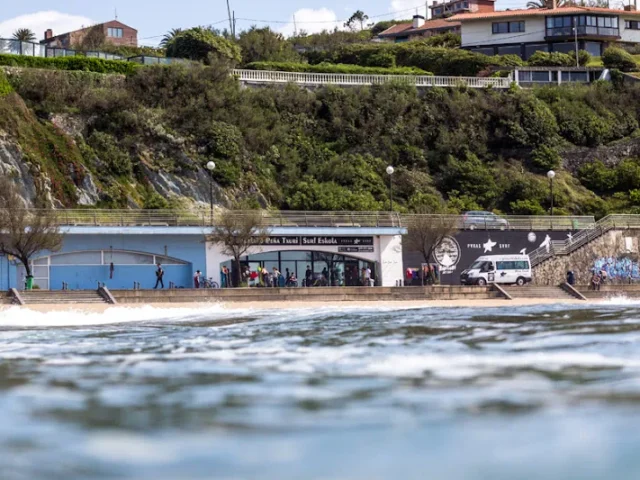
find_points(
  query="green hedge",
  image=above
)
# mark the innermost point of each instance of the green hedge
(86, 64)
(334, 68)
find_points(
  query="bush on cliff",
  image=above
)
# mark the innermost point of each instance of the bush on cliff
(334, 68)
(77, 62)
(619, 59)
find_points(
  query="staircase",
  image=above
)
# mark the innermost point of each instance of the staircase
(582, 238)
(61, 297)
(532, 291)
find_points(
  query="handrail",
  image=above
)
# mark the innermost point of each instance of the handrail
(566, 247)
(304, 78)
(284, 219)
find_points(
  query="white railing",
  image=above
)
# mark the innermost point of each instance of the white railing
(267, 76)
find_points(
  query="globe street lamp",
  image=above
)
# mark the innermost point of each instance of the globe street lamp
(211, 166)
(551, 175)
(390, 171)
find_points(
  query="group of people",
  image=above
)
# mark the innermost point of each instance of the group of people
(598, 278)
(427, 275)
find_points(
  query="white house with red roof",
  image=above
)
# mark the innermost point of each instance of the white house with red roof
(524, 32)
(403, 32)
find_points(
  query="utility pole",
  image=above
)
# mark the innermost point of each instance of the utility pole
(230, 18)
(295, 26)
(575, 31)
(234, 24)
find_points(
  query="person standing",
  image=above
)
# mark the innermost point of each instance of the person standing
(196, 279)
(308, 276)
(367, 277)
(223, 277)
(159, 277)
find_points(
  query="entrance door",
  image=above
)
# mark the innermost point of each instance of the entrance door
(352, 273)
(40, 272)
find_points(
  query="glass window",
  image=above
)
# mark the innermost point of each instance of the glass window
(600, 21)
(515, 27)
(614, 22)
(77, 258)
(127, 258)
(293, 255)
(531, 49)
(549, 22)
(524, 76)
(115, 32)
(510, 50)
(162, 260)
(263, 257)
(593, 48)
(541, 77)
(42, 261)
(465, 4)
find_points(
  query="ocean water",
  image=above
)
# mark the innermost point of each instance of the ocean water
(549, 392)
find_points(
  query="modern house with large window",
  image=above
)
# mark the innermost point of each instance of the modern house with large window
(524, 32)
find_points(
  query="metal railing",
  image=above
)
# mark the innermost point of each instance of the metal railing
(31, 49)
(566, 247)
(267, 76)
(203, 218)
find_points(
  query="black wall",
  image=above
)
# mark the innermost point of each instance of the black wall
(468, 245)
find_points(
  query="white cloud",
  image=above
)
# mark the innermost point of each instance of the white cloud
(312, 21)
(38, 22)
(403, 9)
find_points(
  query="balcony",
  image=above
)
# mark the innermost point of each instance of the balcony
(583, 31)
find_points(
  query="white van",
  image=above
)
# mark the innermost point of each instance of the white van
(507, 269)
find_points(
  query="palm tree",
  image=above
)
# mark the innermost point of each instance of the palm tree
(24, 35)
(170, 35)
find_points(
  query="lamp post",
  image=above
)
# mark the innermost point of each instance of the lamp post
(551, 175)
(390, 171)
(211, 166)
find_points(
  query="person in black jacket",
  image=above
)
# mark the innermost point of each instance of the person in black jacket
(159, 277)
(571, 278)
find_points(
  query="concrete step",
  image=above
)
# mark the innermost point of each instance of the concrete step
(532, 291)
(44, 297)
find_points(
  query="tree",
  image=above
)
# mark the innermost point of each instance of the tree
(204, 45)
(93, 40)
(169, 36)
(24, 35)
(360, 17)
(426, 233)
(620, 59)
(25, 232)
(236, 232)
(265, 45)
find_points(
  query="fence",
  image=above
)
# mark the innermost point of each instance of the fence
(267, 76)
(203, 218)
(566, 247)
(30, 49)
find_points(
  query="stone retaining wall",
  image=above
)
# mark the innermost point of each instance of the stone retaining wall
(329, 295)
(612, 244)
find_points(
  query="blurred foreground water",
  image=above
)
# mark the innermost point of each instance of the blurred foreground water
(344, 393)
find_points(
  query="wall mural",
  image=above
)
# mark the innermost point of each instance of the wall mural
(618, 269)
(459, 251)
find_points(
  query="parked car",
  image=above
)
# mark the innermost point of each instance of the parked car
(480, 219)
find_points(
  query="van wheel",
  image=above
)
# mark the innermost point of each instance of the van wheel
(520, 282)
(481, 282)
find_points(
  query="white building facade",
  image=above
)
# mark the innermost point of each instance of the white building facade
(334, 256)
(524, 32)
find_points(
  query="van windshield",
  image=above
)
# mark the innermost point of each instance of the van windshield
(483, 266)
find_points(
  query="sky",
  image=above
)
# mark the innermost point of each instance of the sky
(153, 18)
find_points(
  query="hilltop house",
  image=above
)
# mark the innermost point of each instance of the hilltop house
(437, 23)
(558, 29)
(115, 33)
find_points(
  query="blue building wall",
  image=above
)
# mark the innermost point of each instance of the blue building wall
(187, 248)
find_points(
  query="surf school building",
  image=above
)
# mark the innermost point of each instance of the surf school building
(120, 249)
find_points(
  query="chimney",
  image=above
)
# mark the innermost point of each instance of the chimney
(554, 4)
(630, 8)
(48, 34)
(418, 21)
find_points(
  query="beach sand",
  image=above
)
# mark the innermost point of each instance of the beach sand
(268, 305)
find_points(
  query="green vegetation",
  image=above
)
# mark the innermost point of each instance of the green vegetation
(334, 68)
(5, 86)
(326, 149)
(203, 44)
(86, 64)
(619, 59)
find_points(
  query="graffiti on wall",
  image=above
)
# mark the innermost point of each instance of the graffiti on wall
(623, 268)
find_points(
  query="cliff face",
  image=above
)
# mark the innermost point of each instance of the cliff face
(48, 159)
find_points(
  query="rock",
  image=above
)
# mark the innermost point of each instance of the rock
(13, 165)
(88, 192)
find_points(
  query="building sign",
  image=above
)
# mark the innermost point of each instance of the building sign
(447, 255)
(355, 249)
(319, 241)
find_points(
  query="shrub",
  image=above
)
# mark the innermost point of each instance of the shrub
(70, 63)
(545, 158)
(201, 44)
(584, 57)
(5, 86)
(334, 68)
(619, 59)
(597, 176)
(553, 59)
(445, 40)
(527, 207)
(382, 59)
(106, 148)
